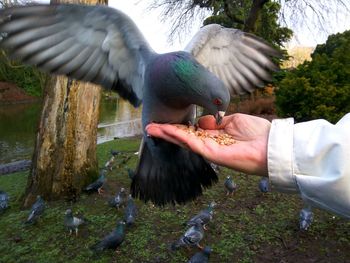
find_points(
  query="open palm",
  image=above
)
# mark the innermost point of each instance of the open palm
(248, 154)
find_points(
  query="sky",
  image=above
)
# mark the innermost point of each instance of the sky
(156, 32)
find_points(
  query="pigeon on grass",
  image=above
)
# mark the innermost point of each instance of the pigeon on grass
(98, 184)
(192, 237)
(119, 199)
(202, 256)
(72, 222)
(4, 201)
(264, 186)
(36, 211)
(230, 186)
(306, 216)
(113, 240)
(130, 212)
(203, 217)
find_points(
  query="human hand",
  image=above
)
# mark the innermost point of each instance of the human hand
(248, 154)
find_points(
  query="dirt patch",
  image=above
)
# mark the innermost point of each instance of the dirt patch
(11, 94)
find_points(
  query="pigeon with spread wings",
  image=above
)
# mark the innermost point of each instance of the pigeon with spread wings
(102, 45)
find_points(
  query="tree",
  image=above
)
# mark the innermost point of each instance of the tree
(64, 157)
(319, 88)
(245, 13)
(258, 17)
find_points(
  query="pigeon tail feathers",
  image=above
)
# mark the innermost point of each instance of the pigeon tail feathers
(176, 180)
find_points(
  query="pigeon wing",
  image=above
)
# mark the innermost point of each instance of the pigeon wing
(239, 59)
(95, 44)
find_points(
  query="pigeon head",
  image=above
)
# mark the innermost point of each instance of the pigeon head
(228, 177)
(68, 212)
(188, 82)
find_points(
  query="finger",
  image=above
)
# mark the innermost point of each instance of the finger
(157, 130)
(208, 122)
(175, 135)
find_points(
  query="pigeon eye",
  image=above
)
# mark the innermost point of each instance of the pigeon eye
(217, 101)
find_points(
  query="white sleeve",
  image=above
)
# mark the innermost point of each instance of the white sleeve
(313, 159)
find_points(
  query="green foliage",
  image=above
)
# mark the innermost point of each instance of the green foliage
(319, 88)
(247, 227)
(234, 14)
(26, 77)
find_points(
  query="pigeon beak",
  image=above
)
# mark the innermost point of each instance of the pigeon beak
(218, 116)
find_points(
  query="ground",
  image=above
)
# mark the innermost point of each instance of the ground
(10, 93)
(247, 227)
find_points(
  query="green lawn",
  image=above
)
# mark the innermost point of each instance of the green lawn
(248, 227)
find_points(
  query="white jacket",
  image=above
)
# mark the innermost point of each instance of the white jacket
(313, 159)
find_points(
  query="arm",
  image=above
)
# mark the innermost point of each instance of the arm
(312, 158)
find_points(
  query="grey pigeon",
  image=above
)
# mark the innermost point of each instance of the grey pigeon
(192, 237)
(4, 201)
(203, 217)
(130, 212)
(102, 45)
(71, 222)
(230, 186)
(202, 256)
(264, 185)
(119, 199)
(98, 184)
(112, 240)
(109, 163)
(306, 217)
(36, 211)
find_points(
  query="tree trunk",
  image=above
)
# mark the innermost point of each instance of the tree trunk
(254, 12)
(64, 158)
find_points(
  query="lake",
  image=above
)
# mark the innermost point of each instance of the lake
(18, 124)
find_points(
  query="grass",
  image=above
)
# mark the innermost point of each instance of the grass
(247, 227)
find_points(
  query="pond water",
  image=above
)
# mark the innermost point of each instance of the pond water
(18, 124)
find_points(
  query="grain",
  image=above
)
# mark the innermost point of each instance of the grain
(222, 139)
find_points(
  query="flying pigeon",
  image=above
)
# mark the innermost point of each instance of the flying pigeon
(119, 200)
(192, 237)
(264, 185)
(130, 212)
(112, 240)
(203, 217)
(102, 45)
(230, 186)
(71, 222)
(4, 201)
(202, 256)
(37, 210)
(306, 217)
(98, 184)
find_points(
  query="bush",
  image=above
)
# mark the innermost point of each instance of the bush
(25, 77)
(319, 88)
